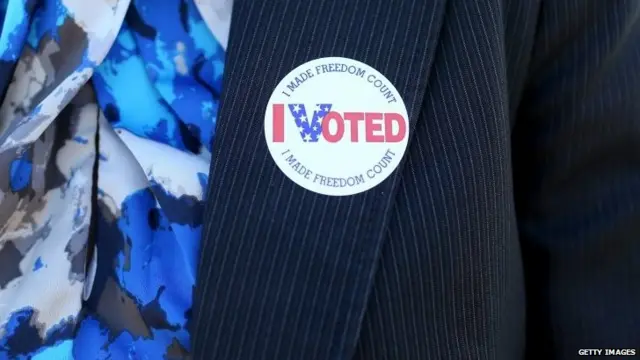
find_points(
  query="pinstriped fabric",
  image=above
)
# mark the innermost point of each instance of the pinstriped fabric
(448, 269)
(313, 252)
(429, 265)
(580, 211)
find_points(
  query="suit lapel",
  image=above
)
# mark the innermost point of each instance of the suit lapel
(285, 273)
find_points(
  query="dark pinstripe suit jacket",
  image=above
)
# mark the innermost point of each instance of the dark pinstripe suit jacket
(511, 230)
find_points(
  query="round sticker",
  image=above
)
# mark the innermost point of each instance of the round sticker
(336, 126)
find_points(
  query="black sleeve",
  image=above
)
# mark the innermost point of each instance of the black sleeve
(576, 155)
